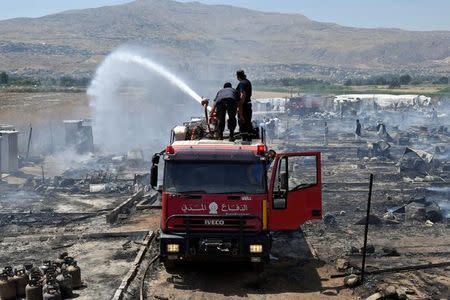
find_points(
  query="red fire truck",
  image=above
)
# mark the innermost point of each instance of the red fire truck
(221, 200)
(304, 105)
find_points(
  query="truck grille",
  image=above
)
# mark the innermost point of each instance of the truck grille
(213, 223)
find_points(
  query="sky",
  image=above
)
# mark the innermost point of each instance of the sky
(405, 14)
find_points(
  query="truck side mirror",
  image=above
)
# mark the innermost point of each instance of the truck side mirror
(271, 154)
(154, 176)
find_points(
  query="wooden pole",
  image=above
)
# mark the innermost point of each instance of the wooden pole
(366, 230)
(52, 144)
(43, 177)
(400, 269)
(29, 141)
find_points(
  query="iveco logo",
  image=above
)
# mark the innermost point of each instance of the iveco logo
(214, 222)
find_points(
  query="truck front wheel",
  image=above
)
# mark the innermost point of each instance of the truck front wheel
(170, 265)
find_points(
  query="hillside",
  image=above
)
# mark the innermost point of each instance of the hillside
(74, 42)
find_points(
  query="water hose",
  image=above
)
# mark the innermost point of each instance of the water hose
(207, 119)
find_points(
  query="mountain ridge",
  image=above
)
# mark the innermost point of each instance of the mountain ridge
(76, 41)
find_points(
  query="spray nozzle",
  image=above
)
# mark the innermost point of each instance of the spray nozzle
(205, 101)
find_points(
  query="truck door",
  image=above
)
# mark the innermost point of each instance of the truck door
(295, 190)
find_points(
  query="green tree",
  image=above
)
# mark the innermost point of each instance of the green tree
(4, 78)
(443, 80)
(395, 83)
(348, 82)
(380, 81)
(405, 79)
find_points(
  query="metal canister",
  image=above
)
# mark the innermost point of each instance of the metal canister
(51, 292)
(7, 287)
(61, 259)
(8, 270)
(68, 260)
(33, 290)
(50, 283)
(36, 273)
(21, 281)
(28, 267)
(45, 265)
(75, 271)
(50, 277)
(64, 280)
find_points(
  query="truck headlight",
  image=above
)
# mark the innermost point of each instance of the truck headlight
(173, 248)
(256, 248)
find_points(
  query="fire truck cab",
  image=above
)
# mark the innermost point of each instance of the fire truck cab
(221, 200)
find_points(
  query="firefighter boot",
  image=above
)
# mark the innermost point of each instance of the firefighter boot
(218, 135)
(231, 138)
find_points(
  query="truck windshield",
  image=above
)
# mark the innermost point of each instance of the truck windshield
(213, 177)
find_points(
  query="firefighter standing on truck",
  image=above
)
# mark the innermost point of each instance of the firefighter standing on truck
(226, 101)
(244, 89)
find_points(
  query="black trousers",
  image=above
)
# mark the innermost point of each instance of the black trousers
(222, 108)
(246, 126)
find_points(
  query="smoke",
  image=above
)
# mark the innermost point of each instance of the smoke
(66, 160)
(441, 195)
(136, 101)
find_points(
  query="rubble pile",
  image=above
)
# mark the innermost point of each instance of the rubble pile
(103, 175)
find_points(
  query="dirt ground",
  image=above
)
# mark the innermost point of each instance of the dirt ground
(295, 274)
(39, 225)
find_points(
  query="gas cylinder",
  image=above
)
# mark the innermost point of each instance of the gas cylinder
(75, 272)
(7, 287)
(50, 277)
(21, 281)
(36, 273)
(51, 273)
(65, 283)
(33, 290)
(51, 292)
(28, 267)
(8, 270)
(45, 265)
(51, 283)
(61, 258)
(68, 260)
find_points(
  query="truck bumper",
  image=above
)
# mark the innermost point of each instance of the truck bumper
(215, 246)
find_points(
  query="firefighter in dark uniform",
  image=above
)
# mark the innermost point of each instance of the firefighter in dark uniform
(244, 89)
(226, 101)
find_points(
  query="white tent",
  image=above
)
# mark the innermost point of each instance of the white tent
(385, 100)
